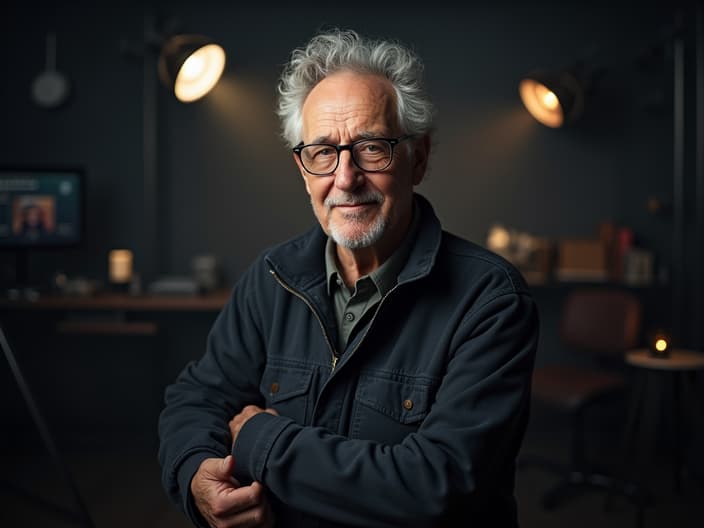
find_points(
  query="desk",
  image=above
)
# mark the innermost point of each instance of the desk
(106, 354)
(110, 313)
(656, 379)
(121, 301)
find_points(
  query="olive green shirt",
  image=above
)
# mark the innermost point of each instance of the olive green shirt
(355, 307)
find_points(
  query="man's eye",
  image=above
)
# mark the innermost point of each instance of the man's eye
(323, 152)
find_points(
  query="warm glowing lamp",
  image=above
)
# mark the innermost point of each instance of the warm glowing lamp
(191, 65)
(554, 99)
(660, 344)
(120, 270)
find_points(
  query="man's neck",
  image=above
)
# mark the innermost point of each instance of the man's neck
(355, 263)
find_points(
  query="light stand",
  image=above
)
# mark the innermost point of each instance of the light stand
(82, 516)
(189, 65)
(678, 181)
(152, 249)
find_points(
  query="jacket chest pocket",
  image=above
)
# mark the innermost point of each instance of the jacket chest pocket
(287, 389)
(387, 409)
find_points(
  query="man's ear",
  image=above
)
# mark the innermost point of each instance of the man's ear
(421, 153)
(303, 172)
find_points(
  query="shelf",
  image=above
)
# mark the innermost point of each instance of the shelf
(119, 301)
(126, 328)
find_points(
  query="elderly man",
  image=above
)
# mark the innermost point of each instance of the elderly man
(374, 371)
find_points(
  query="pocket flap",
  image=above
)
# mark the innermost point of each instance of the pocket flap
(406, 401)
(284, 382)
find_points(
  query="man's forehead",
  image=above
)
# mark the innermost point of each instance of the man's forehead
(350, 105)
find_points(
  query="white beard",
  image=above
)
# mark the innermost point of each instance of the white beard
(352, 231)
(352, 235)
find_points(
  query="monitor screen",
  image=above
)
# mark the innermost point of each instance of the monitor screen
(41, 207)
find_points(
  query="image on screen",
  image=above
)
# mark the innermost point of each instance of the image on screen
(41, 207)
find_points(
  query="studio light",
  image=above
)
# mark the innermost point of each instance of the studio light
(190, 65)
(555, 99)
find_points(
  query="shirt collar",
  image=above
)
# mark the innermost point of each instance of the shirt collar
(331, 266)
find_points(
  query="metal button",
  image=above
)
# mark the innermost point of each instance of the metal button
(349, 316)
(408, 404)
(274, 388)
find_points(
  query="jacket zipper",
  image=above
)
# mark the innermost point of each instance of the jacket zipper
(310, 306)
(320, 322)
(369, 326)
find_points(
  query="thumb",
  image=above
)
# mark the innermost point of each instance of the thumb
(226, 466)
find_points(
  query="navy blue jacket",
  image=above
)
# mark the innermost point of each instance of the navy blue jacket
(421, 418)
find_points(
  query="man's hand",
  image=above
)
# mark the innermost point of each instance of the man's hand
(223, 502)
(245, 414)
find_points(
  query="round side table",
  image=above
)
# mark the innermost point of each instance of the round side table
(679, 359)
(659, 381)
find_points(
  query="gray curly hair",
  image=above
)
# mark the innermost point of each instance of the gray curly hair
(340, 50)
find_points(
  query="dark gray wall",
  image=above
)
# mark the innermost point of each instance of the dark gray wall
(227, 184)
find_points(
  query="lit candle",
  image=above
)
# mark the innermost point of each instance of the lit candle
(120, 265)
(659, 344)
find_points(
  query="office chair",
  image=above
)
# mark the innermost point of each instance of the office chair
(601, 323)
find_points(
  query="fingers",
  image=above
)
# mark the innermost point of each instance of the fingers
(255, 512)
(245, 414)
(224, 505)
(239, 420)
(218, 468)
(244, 498)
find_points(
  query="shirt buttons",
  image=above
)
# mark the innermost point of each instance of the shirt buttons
(349, 316)
(408, 404)
(274, 388)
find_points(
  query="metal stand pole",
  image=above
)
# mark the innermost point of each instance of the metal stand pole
(82, 516)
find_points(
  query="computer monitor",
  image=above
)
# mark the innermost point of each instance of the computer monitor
(41, 207)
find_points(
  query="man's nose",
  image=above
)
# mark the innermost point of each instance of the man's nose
(347, 175)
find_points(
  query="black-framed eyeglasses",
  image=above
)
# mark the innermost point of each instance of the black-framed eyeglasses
(370, 155)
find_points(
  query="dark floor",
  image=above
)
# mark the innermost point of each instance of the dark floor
(119, 481)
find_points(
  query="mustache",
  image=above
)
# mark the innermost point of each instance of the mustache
(347, 198)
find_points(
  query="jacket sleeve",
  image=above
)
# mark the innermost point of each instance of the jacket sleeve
(193, 425)
(465, 449)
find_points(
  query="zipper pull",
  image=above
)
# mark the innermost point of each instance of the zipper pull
(334, 361)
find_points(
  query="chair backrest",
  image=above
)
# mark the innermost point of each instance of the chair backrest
(601, 321)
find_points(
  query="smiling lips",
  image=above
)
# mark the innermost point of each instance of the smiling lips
(360, 204)
(355, 207)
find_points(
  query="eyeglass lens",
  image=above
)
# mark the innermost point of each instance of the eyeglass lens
(369, 155)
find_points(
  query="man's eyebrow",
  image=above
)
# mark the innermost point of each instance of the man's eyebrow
(362, 135)
(370, 135)
(320, 139)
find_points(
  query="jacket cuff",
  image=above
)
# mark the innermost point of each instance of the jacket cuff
(185, 474)
(254, 443)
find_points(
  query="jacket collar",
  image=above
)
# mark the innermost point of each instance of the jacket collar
(301, 262)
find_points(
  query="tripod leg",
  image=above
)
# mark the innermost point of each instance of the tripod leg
(44, 432)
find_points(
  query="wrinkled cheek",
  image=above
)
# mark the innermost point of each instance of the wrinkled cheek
(321, 213)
